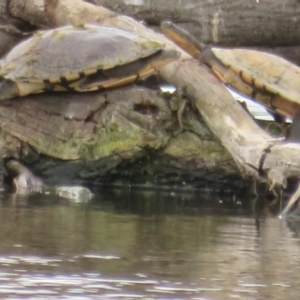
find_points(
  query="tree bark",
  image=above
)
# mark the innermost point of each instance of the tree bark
(125, 135)
(264, 25)
(255, 152)
(229, 22)
(12, 30)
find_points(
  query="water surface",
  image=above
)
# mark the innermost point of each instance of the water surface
(145, 245)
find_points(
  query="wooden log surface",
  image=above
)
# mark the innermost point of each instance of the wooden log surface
(263, 25)
(255, 152)
(224, 22)
(129, 135)
(267, 25)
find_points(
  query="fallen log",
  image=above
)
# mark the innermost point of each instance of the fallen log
(255, 152)
(270, 26)
(129, 135)
(261, 25)
(227, 23)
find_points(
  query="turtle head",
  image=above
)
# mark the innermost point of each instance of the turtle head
(182, 38)
(8, 89)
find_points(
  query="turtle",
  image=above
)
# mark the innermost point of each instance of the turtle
(81, 59)
(268, 79)
(19, 179)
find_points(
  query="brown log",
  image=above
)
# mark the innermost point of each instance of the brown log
(223, 22)
(8, 41)
(125, 135)
(55, 13)
(290, 53)
(12, 30)
(254, 151)
(264, 25)
(89, 126)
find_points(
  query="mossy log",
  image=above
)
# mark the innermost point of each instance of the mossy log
(255, 152)
(127, 136)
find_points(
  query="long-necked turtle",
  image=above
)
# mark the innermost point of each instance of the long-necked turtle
(19, 179)
(267, 78)
(79, 59)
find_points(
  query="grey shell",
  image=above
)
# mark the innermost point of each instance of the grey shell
(68, 52)
(270, 72)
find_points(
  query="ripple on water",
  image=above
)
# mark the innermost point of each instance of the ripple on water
(64, 252)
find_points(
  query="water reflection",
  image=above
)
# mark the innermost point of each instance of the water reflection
(128, 245)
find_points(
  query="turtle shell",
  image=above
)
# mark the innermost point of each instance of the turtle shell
(265, 71)
(69, 53)
(271, 80)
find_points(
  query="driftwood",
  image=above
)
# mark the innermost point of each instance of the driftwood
(127, 136)
(269, 25)
(255, 152)
(230, 23)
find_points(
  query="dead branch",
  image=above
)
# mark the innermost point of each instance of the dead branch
(255, 152)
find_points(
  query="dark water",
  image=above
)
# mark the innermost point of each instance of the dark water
(136, 245)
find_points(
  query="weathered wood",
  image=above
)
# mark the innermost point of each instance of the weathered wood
(247, 143)
(89, 126)
(55, 13)
(10, 32)
(126, 135)
(254, 151)
(290, 53)
(266, 25)
(229, 22)
(7, 41)
(228, 121)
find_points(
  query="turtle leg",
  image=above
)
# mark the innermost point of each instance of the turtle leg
(294, 136)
